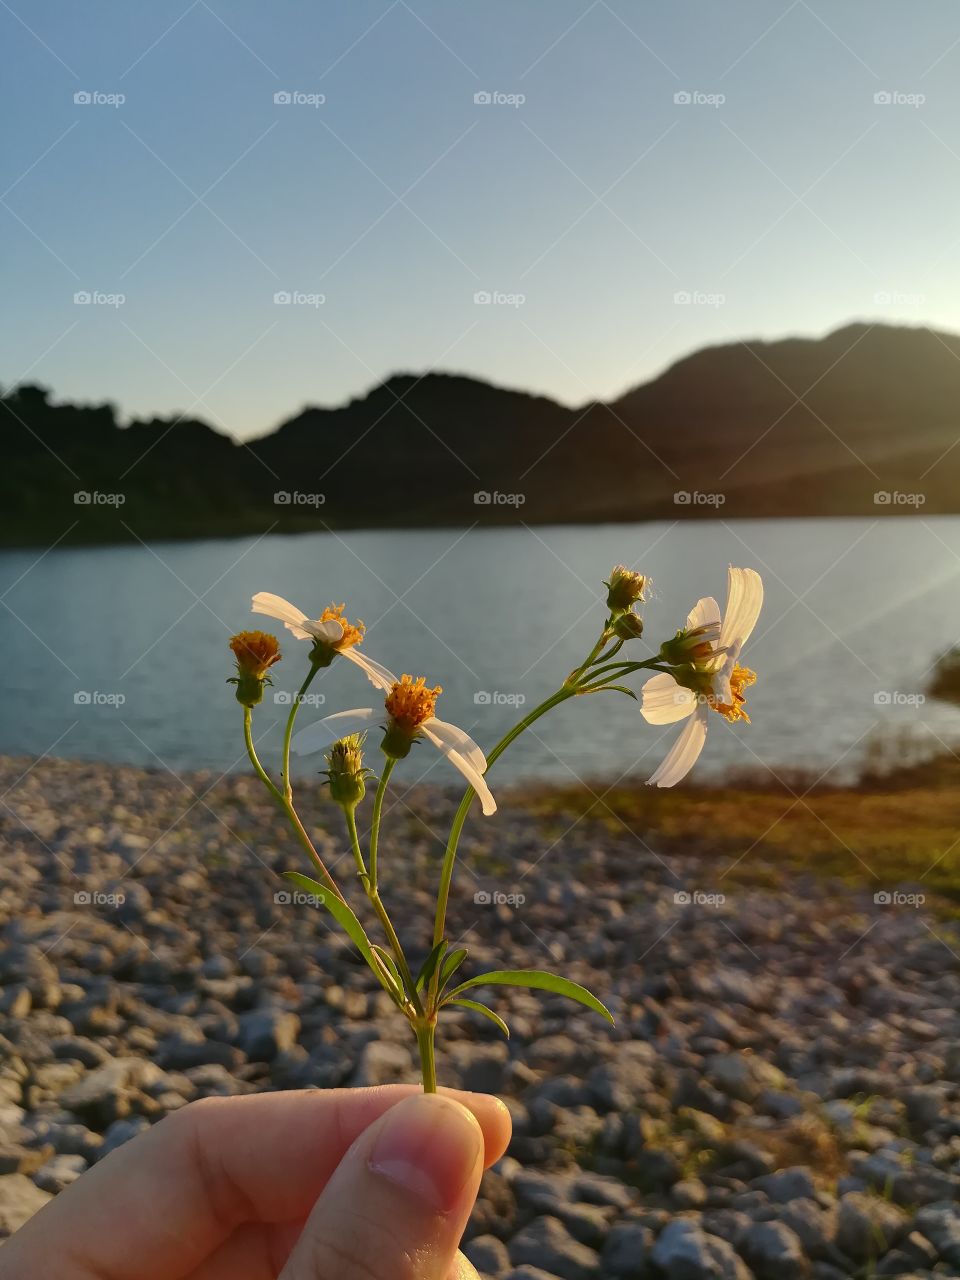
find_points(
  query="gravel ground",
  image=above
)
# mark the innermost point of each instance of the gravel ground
(778, 1099)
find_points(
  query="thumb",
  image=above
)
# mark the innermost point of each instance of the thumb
(398, 1203)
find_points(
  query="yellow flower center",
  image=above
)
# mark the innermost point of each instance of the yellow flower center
(255, 652)
(351, 634)
(740, 678)
(410, 702)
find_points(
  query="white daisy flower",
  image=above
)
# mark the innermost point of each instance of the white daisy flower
(331, 634)
(707, 655)
(410, 705)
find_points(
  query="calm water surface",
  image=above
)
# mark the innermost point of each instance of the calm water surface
(856, 612)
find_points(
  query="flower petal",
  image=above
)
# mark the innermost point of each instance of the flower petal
(460, 762)
(705, 611)
(378, 675)
(744, 601)
(682, 756)
(326, 731)
(664, 701)
(285, 612)
(460, 740)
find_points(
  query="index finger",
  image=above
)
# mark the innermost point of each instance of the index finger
(161, 1204)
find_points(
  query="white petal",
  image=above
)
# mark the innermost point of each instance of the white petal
(460, 740)
(460, 762)
(326, 731)
(285, 612)
(378, 675)
(744, 601)
(664, 701)
(705, 611)
(329, 632)
(682, 756)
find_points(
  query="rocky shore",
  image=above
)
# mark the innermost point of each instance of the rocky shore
(779, 1098)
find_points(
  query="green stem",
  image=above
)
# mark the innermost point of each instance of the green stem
(426, 1030)
(450, 856)
(288, 732)
(377, 903)
(388, 764)
(594, 653)
(285, 803)
(254, 758)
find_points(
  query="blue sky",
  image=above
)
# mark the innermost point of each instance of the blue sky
(782, 198)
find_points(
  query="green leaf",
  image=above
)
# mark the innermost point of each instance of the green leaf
(429, 965)
(538, 979)
(345, 918)
(487, 1013)
(451, 964)
(390, 965)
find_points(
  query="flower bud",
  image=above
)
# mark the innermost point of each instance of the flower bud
(255, 652)
(346, 776)
(628, 626)
(624, 588)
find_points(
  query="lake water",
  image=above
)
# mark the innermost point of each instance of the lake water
(856, 612)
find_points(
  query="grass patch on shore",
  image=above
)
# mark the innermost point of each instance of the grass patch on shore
(895, 827)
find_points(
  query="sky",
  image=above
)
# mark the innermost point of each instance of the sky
(230, 209)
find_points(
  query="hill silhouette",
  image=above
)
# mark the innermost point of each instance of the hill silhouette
(796, 427)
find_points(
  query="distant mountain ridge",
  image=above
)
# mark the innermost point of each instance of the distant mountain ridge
(861, 421)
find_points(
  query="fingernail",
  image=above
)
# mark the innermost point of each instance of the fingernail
(429, 1146)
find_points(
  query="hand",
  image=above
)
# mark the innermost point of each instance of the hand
(346, 1184)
